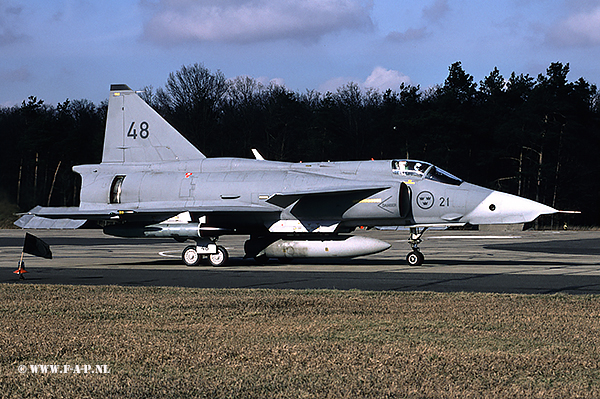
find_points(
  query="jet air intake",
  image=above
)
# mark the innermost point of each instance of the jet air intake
(404, 199)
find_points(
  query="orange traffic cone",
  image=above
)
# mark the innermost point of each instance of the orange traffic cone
(21, 270)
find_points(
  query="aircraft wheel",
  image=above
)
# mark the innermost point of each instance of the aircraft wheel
(220, 258)
(190, 257)
(415, 258)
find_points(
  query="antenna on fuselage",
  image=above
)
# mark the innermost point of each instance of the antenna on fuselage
(257, 155)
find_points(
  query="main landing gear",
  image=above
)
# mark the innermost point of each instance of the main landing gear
(415, 258)
(216, 255)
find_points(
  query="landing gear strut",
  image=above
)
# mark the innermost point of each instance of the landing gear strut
(415, 258)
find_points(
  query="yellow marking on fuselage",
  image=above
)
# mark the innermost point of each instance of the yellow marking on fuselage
(370, 201)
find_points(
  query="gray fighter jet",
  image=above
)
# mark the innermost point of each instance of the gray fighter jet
(153, 183)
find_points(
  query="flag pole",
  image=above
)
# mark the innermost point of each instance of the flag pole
(21, 268)
(34, 246)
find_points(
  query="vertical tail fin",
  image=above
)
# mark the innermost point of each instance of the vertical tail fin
(135, 133)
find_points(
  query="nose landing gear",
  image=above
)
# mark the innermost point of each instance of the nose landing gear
(415, 258)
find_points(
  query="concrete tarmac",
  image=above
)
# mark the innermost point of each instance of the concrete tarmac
(509, 262)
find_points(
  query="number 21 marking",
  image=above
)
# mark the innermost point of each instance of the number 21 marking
(144, 132)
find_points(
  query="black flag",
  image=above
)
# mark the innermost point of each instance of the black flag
(37, 247)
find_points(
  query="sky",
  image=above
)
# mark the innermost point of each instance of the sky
(75, 49)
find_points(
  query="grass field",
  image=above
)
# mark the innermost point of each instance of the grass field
(172, 342)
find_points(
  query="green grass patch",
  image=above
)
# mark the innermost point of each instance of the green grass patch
(178, 342)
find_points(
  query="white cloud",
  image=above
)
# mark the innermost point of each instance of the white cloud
(272, 81)
(383, 79)
(380, 79)
(581, 29)
(245, 21)
(333, 84)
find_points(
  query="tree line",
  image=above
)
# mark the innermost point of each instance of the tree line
(537, 137)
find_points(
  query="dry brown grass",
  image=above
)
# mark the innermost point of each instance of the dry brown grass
(172, 342)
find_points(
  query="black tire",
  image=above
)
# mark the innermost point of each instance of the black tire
(190, 257)
(220, 258)
(415, 258)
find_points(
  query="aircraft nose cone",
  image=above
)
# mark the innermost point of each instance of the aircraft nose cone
(505, 208)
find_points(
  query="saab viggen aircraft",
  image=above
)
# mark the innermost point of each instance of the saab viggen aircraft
(153, 183)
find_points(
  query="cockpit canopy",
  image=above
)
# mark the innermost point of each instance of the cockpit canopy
(420, 170)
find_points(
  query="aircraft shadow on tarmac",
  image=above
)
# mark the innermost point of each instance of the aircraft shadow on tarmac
(235, 262)
(588, 246)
